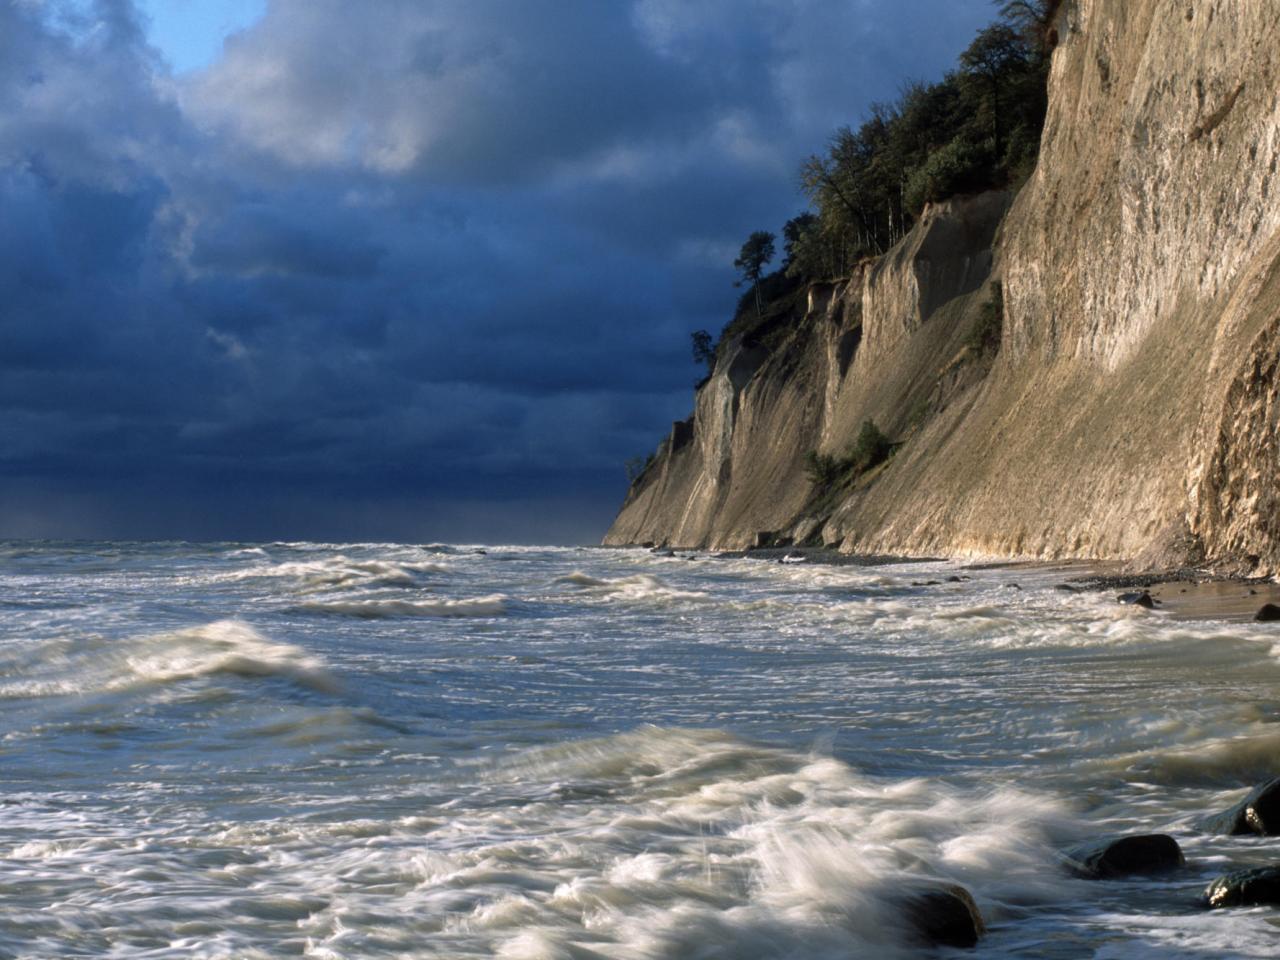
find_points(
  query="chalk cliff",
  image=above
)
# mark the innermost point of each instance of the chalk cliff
(1133, 408)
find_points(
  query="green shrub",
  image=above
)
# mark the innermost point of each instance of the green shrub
(871, 448)
(984, 336)
(822, 469)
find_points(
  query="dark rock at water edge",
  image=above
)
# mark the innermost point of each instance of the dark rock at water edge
(943, 916)
(1259, 812)
(1267, 613)
(1142, 599)
(1124, 856)
(1245, 888)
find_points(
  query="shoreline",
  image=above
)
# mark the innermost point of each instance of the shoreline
(1182, 594)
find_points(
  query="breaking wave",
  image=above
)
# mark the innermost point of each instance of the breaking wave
(95, 665)
(640, 586)
(342, 572)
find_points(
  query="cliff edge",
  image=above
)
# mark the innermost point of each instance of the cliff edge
(1131, 409)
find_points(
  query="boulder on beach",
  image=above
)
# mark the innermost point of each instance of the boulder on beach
(944, 915)
(1267, 613)
(1142, 599)
(1124, 856)
(1259, 812)
(1245, 888)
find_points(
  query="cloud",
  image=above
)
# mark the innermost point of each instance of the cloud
(440, 255)
(506, 90)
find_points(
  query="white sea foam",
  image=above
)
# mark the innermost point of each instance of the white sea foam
(94, 664)
(639, 587)
(342, 571)
(617, 767)
(226, 647)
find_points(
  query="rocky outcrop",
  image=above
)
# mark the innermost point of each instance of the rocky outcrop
(1257, 887)
(1126, 856)
(1131, 411)
(1259, 813)
(944, 915)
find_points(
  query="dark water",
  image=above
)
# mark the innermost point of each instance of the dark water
(402, 751)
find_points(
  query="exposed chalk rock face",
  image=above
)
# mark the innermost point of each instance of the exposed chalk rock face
(1132, 409)
(851, 351)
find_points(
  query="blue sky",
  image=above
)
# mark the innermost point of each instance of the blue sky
(190, 32)
(397, 269)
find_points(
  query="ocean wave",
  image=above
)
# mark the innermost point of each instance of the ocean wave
(229, 647)
(342, 572)
(494, 605)
(1228, 760)
(640, 586)
(97, 665)
(722, 848)
(247, 552)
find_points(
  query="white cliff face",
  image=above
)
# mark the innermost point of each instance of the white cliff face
(1155, 184)
(854, 350)
(1132, 411)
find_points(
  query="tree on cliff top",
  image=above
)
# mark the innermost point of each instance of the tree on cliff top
(752, 259)
(993, 61)
(704, 349)
(977, 128)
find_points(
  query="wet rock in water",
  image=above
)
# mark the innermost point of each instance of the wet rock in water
(1123, 856)
(1259, 812)
(1142, 599)
(1245, 888)
(1066, 588)
(943, 916)
(924, 583)
(953, 579)
(1267, 612)
(1013, 586)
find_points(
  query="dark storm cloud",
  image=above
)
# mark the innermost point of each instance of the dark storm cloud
(438, 257)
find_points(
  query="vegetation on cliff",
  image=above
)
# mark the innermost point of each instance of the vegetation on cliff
(870, 449)
(984, 337)
(975, 129)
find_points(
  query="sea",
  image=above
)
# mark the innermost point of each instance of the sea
(381, 750)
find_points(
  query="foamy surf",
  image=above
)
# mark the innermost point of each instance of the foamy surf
(640, 758)
(343, 572)
(229, 647)
(95, 665)
(638, 587)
